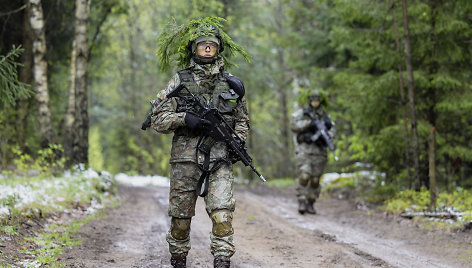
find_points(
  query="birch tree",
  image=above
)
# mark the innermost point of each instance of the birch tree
(81, 124)
(40, 71)
(70, 111)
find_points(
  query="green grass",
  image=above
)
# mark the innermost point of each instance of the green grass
(9, 230)
(39, 197)
(52, 195)
(52, 242)
(281, 183)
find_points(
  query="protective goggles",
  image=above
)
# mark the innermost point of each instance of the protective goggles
(207, 44)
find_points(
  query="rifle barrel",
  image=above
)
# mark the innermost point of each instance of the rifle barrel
(258, 174)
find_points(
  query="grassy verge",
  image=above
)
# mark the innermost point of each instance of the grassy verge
(39, 215)
(453, 211)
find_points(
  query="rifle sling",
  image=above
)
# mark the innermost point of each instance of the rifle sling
(205, 143)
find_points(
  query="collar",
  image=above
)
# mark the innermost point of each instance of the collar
(208, 69)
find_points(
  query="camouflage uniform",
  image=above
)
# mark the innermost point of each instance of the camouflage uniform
(208, 81)
(311, 157)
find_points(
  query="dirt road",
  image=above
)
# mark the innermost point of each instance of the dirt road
(268, 233)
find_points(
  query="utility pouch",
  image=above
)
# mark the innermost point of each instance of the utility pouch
(228, 102)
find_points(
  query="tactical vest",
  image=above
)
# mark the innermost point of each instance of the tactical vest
(221, 96)
(305, 136)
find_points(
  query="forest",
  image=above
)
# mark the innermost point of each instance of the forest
(77, 77)
(82, 185)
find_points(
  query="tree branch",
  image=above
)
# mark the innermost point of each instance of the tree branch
(14, 11)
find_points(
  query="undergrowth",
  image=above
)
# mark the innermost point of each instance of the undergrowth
(457, 204)
(38, 189)
(52, 242)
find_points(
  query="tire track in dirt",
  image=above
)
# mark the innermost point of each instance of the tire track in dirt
(268, 233)
(379, 248)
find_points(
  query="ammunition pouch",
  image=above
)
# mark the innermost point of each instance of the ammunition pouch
(306, 137)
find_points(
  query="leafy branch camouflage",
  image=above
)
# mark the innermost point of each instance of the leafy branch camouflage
(173, 41)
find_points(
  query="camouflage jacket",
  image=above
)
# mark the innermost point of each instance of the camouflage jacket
(167, 117)
(300, 125)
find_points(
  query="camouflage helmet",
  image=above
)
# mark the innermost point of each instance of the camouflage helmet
(315, 95)
(307, 95)
(212, 34)
(205, 33)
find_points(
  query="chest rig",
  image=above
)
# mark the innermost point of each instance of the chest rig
(213, 93)
(305, 136)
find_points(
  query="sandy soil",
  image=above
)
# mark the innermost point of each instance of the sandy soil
(269, 232)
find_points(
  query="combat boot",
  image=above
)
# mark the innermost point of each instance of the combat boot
(310, 209)
(221, 262)
(302, 206)
(178, 261)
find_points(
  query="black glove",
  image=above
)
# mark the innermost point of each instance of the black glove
(196, 123)
(313, 126)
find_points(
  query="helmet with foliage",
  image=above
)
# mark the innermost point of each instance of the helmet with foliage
(178, 43)
(211, 35)
(307, 95)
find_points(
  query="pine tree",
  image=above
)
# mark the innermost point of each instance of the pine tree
(10, 88)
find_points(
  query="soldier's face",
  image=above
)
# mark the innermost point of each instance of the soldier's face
(207, 49)
(315, 103)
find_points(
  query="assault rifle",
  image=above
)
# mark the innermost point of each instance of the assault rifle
(147, 121)
(220, 129)
(322, 133)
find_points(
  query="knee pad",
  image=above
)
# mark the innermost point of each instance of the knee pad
(304, 179)
(180, 228)
(222, 222)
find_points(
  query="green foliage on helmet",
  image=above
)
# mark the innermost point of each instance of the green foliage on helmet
(305, 94)
(174, 41)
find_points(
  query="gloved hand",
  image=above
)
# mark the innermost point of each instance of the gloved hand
(313, 126)
(196, 123)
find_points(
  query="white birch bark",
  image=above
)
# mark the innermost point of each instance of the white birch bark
(81, 126)
(69, 119)
(40, 70)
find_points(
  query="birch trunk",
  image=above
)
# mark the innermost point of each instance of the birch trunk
(81, 126)
(69, 119)
(411, 97)
(40, 70)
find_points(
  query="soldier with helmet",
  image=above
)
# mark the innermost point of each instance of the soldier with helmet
(310, 149)
(204, 74)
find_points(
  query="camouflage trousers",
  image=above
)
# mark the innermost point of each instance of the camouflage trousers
(219, 204)
(310, 168)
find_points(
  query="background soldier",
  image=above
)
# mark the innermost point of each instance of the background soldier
(310, 150)
(205, 78)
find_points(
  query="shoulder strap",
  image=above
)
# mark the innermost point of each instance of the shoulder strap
(185, 76)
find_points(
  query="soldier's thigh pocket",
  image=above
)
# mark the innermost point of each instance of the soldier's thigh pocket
(182, 195)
